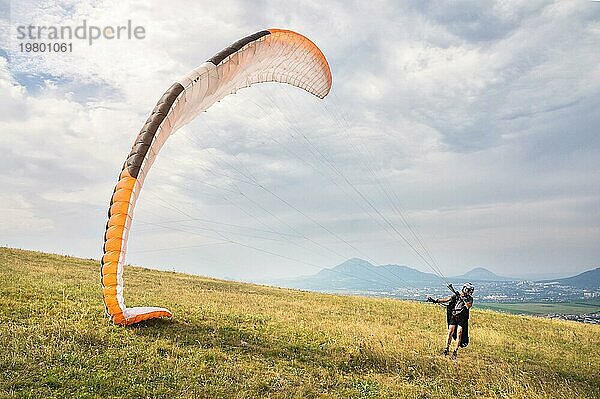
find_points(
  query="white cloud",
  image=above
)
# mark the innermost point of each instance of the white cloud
(19, 217)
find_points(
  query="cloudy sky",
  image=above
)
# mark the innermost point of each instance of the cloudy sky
(478, 121)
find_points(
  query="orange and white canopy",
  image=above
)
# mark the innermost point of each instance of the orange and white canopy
(272, 55)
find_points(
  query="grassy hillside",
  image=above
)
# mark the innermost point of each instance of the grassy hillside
(246, 341)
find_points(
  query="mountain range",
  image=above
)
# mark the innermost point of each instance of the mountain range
(587, 280)
(358, 275)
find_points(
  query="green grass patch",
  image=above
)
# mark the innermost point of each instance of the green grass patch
(248, 341)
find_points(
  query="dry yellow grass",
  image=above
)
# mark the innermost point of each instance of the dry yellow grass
(241, 340)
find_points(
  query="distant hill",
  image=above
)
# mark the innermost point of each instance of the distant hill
(481, 274)
(586, 280)
(360, 275)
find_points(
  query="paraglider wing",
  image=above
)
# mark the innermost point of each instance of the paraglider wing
(272, 55)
